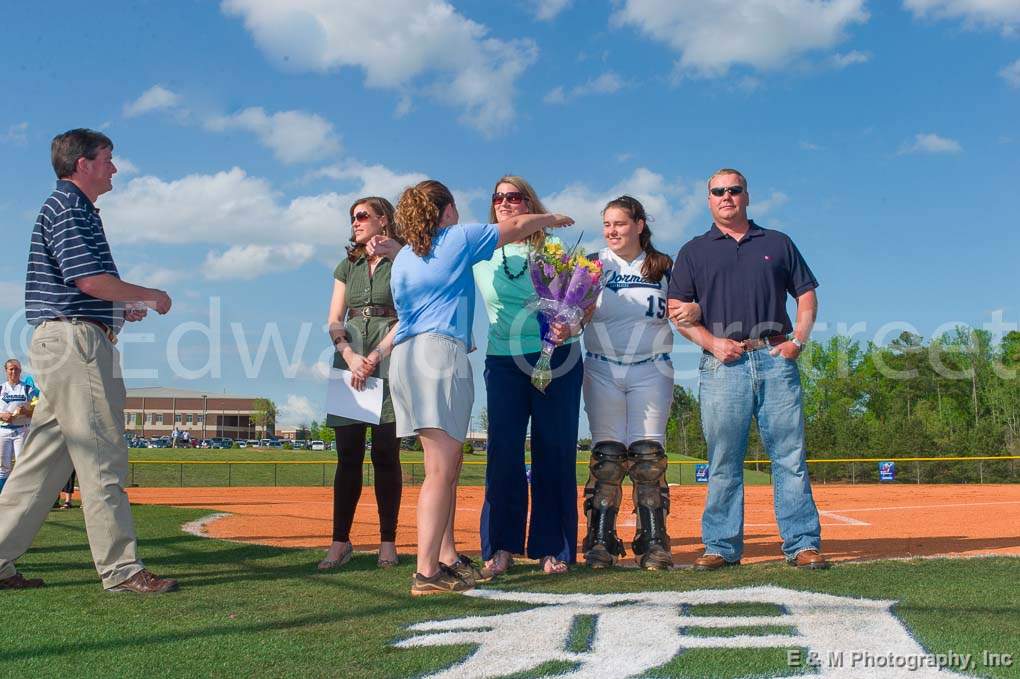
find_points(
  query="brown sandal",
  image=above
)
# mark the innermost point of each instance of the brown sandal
(553, 566)
(330, 564)
(500, 562)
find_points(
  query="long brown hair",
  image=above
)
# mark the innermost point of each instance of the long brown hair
(419, 212)
(537, 239)
(382, 208)
(657, 264)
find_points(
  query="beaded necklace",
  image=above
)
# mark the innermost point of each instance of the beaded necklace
(513, 276)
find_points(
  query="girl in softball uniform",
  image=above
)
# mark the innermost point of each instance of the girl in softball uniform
(628, 390)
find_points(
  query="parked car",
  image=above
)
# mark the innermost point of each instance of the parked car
(205, 443)
(276, 443)
(241, 443)
(318, 445)
(264, 443)
(253, 443)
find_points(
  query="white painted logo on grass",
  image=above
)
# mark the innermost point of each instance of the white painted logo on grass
(637, 632)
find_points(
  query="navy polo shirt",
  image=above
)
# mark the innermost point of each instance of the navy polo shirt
(741, 286)
(68, 243)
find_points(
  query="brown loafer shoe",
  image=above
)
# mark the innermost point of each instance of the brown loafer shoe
(18, 581)
(146, 582)
(712, 562)
(809, 559)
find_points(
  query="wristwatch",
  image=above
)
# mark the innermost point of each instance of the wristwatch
(796, 342)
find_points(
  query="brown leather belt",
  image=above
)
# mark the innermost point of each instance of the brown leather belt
(110, 335)
(374, 310)
(761, 343)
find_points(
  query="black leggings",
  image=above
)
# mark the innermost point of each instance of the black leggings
(350, 451)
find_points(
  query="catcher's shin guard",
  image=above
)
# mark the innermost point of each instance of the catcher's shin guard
(651, 503)
(602, 496)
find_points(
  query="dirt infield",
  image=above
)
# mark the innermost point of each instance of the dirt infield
(859, 523)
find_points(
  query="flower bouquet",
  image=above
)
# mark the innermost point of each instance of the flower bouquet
(567, 283)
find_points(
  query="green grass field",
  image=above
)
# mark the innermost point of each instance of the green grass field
(248, 611)
(170, 473)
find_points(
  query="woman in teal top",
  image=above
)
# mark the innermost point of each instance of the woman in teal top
(361, 316)
(515, 342)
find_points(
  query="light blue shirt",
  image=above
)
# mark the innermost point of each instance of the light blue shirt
(436, 293)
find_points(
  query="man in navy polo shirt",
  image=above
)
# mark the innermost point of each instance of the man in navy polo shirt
(77, 303)
(740, 274)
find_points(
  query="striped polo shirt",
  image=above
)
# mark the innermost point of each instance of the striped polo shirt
(68, 243)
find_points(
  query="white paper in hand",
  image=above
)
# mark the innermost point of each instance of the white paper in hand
(343, 400)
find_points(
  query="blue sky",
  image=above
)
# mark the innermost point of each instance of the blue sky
(881, 136)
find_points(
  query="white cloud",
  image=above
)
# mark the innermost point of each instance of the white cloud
(555, 96)
(399, 44)
(12, 295)
(252, 261)
(17, 134)
(231, 207)
(930, 143)
(156, 98)
(317, 372)
(293, 136)
(547, 10)
(808, 146)
(713, 35)
(1002, 14)
(125, 167)
(842, 60)
(377, 180)
(297, 410)
(673, 206)
(607, 83)
(1011, 74)
(152, 276)
(775, 201)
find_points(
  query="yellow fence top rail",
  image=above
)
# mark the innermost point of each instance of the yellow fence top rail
(845, 460)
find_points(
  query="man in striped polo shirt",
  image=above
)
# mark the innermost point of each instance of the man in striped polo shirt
(77, 303)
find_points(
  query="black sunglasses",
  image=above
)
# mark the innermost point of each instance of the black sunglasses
(360, 216)
(514, 197)
(720, 191)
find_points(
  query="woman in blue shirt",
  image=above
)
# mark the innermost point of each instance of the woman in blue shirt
(430, 378)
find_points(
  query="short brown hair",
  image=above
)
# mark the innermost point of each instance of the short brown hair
(68, 147)
(728, 170)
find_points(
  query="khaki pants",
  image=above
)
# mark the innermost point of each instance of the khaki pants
(78, 424)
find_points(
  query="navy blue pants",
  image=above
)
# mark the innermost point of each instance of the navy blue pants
(512, 401)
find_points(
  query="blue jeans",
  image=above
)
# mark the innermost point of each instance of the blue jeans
(511, 402)
(768, 388)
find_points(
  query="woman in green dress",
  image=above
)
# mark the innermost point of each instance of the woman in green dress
(361, 316)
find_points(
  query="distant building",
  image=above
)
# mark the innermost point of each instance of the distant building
(293, 433)
(157, 411)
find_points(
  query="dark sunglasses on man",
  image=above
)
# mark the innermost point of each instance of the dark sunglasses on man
(512, 197)
(720, 191)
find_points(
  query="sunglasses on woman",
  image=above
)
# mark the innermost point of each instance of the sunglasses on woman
(360, 216)
(512, 197)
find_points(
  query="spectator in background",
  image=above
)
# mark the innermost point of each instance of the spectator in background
(17, 402)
